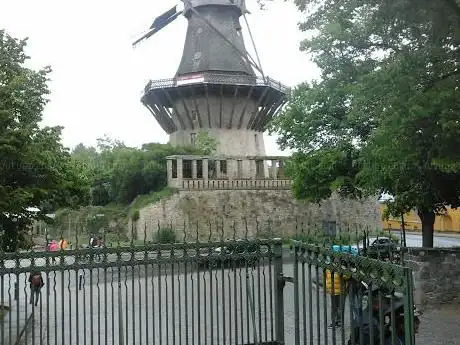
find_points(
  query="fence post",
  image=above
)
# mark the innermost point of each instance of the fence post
(279, 286)
(409, 307)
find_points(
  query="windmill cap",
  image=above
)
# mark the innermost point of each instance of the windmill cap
(239, 4)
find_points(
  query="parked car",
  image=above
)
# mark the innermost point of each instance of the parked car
(382, 248)
(231, 255)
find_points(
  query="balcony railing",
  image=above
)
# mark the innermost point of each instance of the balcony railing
(235, 184)
(218, 78)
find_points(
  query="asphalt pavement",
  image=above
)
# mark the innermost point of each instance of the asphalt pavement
(440, 240)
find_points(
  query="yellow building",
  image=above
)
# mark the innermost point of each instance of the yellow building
(449, 222)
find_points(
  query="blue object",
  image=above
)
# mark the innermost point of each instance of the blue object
(345, 249)
(336, 248)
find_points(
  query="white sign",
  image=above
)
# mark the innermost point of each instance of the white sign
(190, 79)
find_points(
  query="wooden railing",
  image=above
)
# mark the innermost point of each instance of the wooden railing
(235, 184)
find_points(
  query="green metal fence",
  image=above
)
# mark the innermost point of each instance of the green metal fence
(184, 293)
(247, 291)
(372, 300)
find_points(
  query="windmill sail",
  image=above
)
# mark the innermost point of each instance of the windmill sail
(159, 23)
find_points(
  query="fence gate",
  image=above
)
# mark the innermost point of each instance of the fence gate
(162, 294)
(360, 289)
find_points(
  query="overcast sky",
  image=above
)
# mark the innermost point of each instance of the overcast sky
(98, 77)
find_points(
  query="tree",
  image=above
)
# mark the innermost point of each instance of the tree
(385, 115)
(118, 174)
(205, 143)
(35, 168)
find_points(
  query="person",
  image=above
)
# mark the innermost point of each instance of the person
(93, 241)
(62, 244)
(36, 284)
(334, 289)
(53, 247)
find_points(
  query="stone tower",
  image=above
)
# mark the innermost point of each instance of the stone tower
(215, 88)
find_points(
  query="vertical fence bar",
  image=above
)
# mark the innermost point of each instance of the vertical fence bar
(409, 307)
(2, 288)
(146, 302)
(265, 303)
(186, 256)
(133, 299)
(91, 314)
(55, 305)
(235, 301)
(296, 297)
(259, 296)
(121, 336)
(112, 306)
(310, 303)
(62, 299)
(318, 307)
(304, 304)
(126, 329)
(173, 291)
(179, 297)
(192, 283)
(279, 286)
(247, 312)
(198, 296)
(77, 314)
(106, 318)
(252, 313)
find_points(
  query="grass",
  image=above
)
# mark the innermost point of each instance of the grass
(143, 200)
(92, 219)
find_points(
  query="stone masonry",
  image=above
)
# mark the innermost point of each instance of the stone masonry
(240, 213)
(436, 275)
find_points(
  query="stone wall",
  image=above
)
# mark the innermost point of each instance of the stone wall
(436, 275)
(240, 213)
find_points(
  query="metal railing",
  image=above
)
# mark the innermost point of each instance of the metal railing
(218, 291)
(341, 298)
(221, 78)
(184, 293)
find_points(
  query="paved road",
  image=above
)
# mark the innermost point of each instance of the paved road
(441, 240)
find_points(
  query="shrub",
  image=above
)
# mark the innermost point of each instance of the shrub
(166, 235)
(135, 216)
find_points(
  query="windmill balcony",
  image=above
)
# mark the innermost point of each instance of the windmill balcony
(216, 78)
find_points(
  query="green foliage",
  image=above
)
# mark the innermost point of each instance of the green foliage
(109, 221)
(119, 173)
(35, 170)
(135, 215)
(143, 200)
(385, 115)
(205, 143)
(165, 236)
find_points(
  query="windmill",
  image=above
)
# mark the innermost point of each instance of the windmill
(215, 88)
